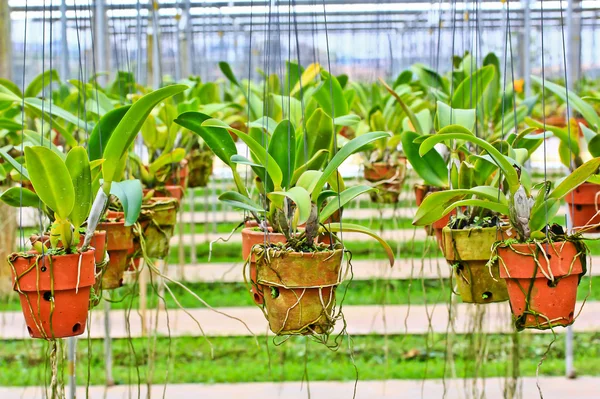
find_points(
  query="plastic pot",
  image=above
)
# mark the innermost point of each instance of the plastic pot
(584, 206)
(468, 252)
(299, 290)
(54, 291)
(537, 302)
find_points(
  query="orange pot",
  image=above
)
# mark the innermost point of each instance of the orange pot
(250, 238)
(421, 191)
(535, 301)
(119, 244)
(179, 176)
(167, 191)
(379, 171)
(584, 206)
(54, 291)
(98, 243)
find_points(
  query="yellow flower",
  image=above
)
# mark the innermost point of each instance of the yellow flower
(518, 85)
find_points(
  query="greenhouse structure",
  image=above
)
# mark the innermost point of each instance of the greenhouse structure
(297, 199)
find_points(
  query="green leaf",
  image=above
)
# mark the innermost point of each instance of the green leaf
(240, 201)
(36, 139)
(561, 133)
(226, 70)
(130, 194)
(301, 198)
(577, 177)
(509, 171)
(10, 125)
(431, 167)
(175, 156)
(282, 148)
(493, 206)
(468, 94)
(409, 112)
(585, 109)
(309, 179)
(39, 82)
(18, 196)
(447, 116)
(318, 135)
(103, 131)
(10, 87)
(594, 146)
(311, 162)
(350, 148)
(344, 198)
(78, 165)
(13, 162)
(128, 128)
(265, 123)
(356, 228)
(543, 215)
(428, 77)
(346, 120)
(330, 96)
(52, 109)
(51, 180)
(259, 152)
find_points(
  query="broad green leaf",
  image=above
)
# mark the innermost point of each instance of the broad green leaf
(585, 109)
(175, 156)
(39, 82)
(282, 148)
(469, 92)
(128, 128)
(330, 96)
(18, 196)
(346, 120)
(309, 179)
(447, 116)
(356, 228)
(594, 146)
(311, 162)
(292, 76)
(301, 198)
(240, 201)
(291, 108)
(10, 125)
(492, 206)
(318, 135)
(561, 133)
(577, 177)
(428, 77)
(265, 123)
(544, 214)
(307, 77)
(78, 166)
(53, 109)
(36, 139)
(22, 169)
(103, 131)
(344, 198)
(226, 70)
(431, 167)
(509, 171)
(409, 112)
(350, 148)
(130, 194)
(51, 180)
(8, 86)
(220, 142)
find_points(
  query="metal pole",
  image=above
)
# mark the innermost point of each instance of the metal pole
(157, 70)
(526, 48)
(573, 42)
(101, 39)
(188, 39)
(72, 349)
(138, 37)
(64, 65)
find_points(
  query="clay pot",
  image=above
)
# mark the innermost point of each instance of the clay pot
(54, 291)
(119, 245)
(421, 191)
(168, 191)
(157, 219)
(251, 237)
(389, 191)
(292, 303)
(584, 206)
(468, 252)
(98, 243)
(535, 301)
(200, 165)
(179, 175)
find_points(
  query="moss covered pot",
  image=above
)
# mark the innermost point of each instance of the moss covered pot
(157, 222)
(388, 178)
(468, 251)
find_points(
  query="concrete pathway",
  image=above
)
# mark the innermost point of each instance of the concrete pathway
(361, 320)
(552, 388)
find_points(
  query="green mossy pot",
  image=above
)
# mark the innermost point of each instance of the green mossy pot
(157, 220)
(200, 168)
(468, 251)
(394, 175)
(299, 289)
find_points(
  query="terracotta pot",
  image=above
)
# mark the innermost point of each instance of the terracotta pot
(535, 301)
(119, 244)
(98, 243)
(157, 219)
(468, 252)
(54, 292)
(292, 303)
(584, 206)
(179, 176)
(389, 191)
(561, 121)
(200, 165)
(421, 191)
(250, 238)
(168, 191)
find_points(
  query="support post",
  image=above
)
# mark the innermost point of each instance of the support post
(72, 354)
(138, 39)
(189, 44)
(573, 41)
(64, 47)
(108, 360)
(101, 39)
(5, 41)
(526, 47)
(156, 69)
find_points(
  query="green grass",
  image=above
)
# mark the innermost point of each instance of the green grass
(240, 359)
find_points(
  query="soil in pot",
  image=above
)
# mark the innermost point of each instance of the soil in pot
(54, 291)
(200, 164)
(119, 245)
(536, 301)
(468, 252)
(584, 206)
(252, 236)
(299, 289)
(387, 178)
(157, 220)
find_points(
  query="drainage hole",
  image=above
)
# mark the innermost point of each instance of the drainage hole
(43, 268)
(552, 284)
(274, 292)
(76, 327)
(47, 296)
(578, 207)
(486, 295)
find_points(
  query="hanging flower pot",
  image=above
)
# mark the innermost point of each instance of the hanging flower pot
(468, 252)
(421, 191)
(388, 179)
(179, 175)
(168, 191)
(157, 221)
(252, 236)
(298, 288)
(542, 285)
(584, 206)
(119, 244)
(200, 164)
(54, 291)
